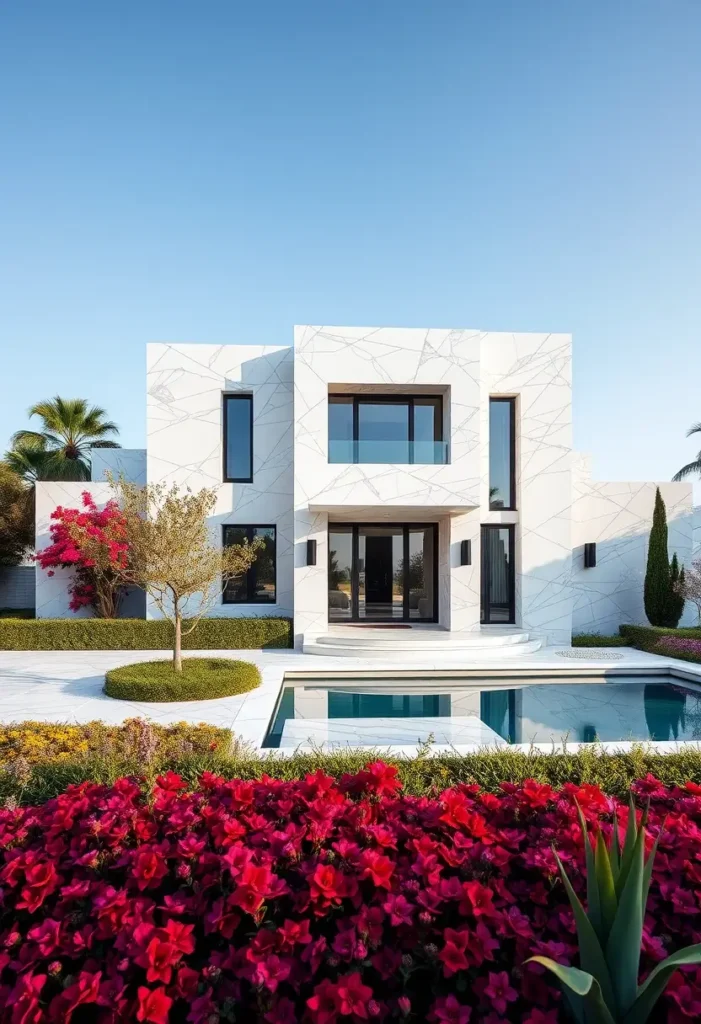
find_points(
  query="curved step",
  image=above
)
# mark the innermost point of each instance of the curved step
(435, 640)
(397, 653)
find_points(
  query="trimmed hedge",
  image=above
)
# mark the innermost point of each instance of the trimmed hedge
(141, 634)
(424, 775)
(200, 679)
(598, 640)
(645, 638)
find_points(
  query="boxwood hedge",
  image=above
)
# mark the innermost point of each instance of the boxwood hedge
(141, 634)
(645, 638)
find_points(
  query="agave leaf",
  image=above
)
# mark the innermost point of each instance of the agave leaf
(582, 984)
(593, 902)
(606, 886)
(647, 873)
(625, 938)
(615, 849)
(628, 846)
(656, 982)
(591, 954)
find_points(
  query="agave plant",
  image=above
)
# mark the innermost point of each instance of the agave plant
(604, 989)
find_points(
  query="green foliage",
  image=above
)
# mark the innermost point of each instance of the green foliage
(61, 450)
(659, 599)
(199, 679)
(647, 638)
(677, 578)
(428, 775)
(597, 640)
(610, 932)
(16, 517)
(219, 634)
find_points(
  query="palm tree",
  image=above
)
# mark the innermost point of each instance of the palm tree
(61, 451)
(691, 467)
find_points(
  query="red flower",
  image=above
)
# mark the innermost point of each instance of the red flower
(149, 868)
(447, 1010)
(453, 953)
(353, 996)
(85, 990)
(477, 900)
(40, 881)
(499, 991)
(159, 958)
(154, 1005)
(377, 867)
(24, 999)
(323, 1005)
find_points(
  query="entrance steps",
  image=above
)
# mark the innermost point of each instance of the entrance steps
(389, 644)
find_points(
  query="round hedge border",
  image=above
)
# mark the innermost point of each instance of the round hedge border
(200, 679)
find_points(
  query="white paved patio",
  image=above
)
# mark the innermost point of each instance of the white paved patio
(66, 686)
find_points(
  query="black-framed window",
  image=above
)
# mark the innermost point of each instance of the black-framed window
(498, 576)
(502, 453)
(400, 429)
(258, 585)
(238, 438)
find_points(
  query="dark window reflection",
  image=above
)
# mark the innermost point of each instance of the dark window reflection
(257, 586)
(501, 453)
(238, 437)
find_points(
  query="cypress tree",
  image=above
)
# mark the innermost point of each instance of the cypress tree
(657, 576)
(677, 601)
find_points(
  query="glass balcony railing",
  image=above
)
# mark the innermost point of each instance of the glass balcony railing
(400, 453)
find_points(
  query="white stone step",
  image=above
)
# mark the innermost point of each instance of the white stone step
(397, 652)
(420, 640)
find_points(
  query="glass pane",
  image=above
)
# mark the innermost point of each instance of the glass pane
(236, 590)
(340, 429)
(262, 571)
(383, 432)
(500, 453)
(238, 437)
(428, 429)
(340, 562)
(421, 583)
(496, 563)
(380, 572)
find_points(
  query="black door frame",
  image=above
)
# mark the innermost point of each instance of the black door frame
(484, 575)
(355, 572)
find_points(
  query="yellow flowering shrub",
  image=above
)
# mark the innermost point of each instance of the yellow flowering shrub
(45, 741)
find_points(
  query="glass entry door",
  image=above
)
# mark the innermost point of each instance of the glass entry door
(383, 573)
(498, 599)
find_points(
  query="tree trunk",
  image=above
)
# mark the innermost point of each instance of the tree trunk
(177, 649)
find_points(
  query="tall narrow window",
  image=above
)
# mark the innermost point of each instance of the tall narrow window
(502, 453)
(238, 438)
(257, 586)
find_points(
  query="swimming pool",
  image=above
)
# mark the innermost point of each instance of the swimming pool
(455, 710)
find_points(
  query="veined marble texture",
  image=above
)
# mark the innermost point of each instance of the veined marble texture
(127, 462)
(186, 385)
(618, 517)
(537, 370)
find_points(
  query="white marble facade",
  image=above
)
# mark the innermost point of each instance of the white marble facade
(296, 488)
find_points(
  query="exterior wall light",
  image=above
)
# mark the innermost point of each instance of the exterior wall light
(589, 556)
(311, 552)
(465, 552)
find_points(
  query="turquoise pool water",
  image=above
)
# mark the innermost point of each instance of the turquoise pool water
(522, 711)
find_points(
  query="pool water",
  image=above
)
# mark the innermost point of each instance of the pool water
(457, 710)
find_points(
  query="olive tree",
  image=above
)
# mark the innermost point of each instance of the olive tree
(172, 555)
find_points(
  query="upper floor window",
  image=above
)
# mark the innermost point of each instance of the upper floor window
(502, 453)
(238, 438)
(257, 586)
(388, 429)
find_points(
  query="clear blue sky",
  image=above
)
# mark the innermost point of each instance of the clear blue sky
(218, 171)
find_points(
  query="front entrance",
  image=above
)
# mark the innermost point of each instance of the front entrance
(498, 591)
(381, 573)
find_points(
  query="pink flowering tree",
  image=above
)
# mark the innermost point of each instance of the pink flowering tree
(92, 542)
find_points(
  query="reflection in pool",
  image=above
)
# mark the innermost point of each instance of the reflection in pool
(462, 710)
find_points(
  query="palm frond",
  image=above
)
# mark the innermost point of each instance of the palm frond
(28, 439)
(690, 469)
(696, 429)
(105, 444)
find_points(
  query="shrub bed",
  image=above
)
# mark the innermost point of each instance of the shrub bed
(200, 679)
(679, 647)
(141, 634)
(43, 778)
(597, 640)
(44, 742)
(316, 900)
(655, 640)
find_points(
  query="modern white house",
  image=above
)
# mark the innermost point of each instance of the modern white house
(400, 478)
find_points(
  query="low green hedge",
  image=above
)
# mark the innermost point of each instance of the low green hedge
(597, 640)
(421, 775)
(141, 634)
(646, 637)
(200, 679)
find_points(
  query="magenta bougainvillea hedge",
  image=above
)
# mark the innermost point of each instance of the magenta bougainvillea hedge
(316, 901)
